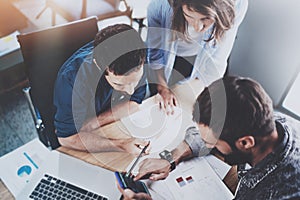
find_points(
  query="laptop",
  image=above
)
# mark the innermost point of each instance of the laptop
(66, 177)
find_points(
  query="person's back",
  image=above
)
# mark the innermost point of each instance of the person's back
(278, 175)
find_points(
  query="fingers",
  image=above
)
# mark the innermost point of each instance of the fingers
(148, 150)
(142, 143)
(145, 167)
(169, 108)
(175, 101)
(160, 176)
(151, 175)
(156, 168)
(141, 196)
(167, 105)
(135, 145)
(167, 101)
(119, 187)
(129, 194)
(142, 175)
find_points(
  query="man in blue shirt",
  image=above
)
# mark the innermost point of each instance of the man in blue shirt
(100, 83)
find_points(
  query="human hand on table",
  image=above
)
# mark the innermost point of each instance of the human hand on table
(167, 100)
(157, 169)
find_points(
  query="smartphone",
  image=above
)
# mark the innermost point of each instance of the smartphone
(128, 182)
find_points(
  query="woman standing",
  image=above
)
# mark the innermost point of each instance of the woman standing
(190, 39)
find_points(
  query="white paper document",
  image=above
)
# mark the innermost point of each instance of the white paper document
(9, 43)
(191, 180)
(154, 125)
(221, 168)
(19, 166)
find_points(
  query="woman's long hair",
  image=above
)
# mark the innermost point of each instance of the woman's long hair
(221, 11)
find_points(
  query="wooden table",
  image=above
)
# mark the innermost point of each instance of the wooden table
(118, 161)
(186, 95)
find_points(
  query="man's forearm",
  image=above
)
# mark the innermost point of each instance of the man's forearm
(85, 141)
(116, 113)
(181, 152)
(161, 80)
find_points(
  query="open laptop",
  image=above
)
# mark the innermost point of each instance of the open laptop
(65, 177)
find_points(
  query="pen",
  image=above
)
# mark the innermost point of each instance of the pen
(137, 159)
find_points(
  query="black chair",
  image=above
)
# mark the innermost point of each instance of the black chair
(44, 52)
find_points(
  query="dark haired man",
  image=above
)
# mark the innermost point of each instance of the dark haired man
(235, 117)
(101, 82)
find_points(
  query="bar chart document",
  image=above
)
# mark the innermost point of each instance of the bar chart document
(192, 180)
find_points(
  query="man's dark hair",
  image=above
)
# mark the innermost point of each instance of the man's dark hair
(120, 48)
(248, 111)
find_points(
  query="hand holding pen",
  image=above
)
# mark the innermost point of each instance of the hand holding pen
(137, 159)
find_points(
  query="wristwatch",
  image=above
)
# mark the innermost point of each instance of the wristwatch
(167, 155)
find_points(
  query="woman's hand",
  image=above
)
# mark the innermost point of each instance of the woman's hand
(167, 100)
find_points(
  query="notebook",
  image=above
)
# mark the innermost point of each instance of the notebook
(65, 177)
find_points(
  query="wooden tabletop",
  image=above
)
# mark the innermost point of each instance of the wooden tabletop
(186, 95)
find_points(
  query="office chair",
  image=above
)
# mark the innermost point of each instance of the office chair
(44, 52)
(73, 10)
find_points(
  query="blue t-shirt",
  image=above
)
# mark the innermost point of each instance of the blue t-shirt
(82, 92)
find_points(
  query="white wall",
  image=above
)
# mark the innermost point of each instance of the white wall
(267, 47)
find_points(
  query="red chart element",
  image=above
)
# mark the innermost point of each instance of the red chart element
(180, 181)
(189, 179)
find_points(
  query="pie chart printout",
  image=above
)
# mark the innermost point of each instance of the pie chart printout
(24, 171)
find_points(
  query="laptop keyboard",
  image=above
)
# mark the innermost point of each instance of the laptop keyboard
(50, 187)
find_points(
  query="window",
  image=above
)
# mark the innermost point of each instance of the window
(291, 101)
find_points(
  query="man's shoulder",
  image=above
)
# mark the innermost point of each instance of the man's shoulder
(287, 183)
(80, 57)
(282, 183)
(287, 120)
(292, 125)
(288, 170)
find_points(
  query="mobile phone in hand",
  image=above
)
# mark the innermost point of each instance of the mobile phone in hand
(127, 182)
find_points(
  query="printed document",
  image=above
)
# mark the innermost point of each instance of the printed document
(191, 180)
(154, 125)
(19, 166)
